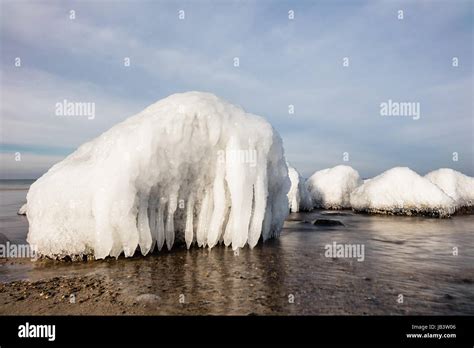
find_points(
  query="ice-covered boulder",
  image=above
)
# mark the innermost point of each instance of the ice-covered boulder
(299, 198)
(456, 185)
(401, 191)
(22, 210)
(191, 167)
(331, 188)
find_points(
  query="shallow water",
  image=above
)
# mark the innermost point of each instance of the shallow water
(409, 256)
(12, 197)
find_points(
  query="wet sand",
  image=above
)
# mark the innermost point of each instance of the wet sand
(291, 275)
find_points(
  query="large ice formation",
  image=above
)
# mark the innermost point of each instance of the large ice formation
(456, 185)
(299, 198)
(401, 191)
(191, 167)
(331, 188)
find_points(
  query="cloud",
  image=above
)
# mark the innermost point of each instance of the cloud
(28, 111)
(282, 62)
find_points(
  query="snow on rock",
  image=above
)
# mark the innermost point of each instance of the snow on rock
(331, 188)
(456, 185)
(190, 167)
(299, 198)
(22, 210)
(401, 191)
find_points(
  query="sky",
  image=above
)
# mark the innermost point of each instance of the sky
(299, 61)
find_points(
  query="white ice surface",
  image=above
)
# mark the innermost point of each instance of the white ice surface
(401, 191)
(456, 185)
(191, 167)
(299, 198)
(331, 188)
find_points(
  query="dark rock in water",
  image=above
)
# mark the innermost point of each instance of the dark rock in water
(448, 297)
(399, 242)
(304, 222)
(327, 222)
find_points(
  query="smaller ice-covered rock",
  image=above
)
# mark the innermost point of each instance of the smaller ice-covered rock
(22, 210)
(299, 198)
(331, 188)
(456, 185)
(401, 191)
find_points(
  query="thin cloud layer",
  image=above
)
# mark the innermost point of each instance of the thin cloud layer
(283, 62)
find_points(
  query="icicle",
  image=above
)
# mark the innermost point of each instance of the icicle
(218, 214)
(144, 234)
(189, 233)
(240, 186)
(103, 229)
(241, 227)
(259, 205)
(202, 227)
(152, 221)
(160, 227)
(169, 231)
(267, 223)
(228, 230)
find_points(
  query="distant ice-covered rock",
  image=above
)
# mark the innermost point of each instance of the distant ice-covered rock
(22, 210)
(456, 185)
(190, 167)
(401, 191)
(331, 188)
(299, 198)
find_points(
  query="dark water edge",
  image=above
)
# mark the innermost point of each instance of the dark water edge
(409, 256)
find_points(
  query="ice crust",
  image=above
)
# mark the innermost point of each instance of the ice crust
(401, 191)
(331, 188)
(456, 185)
(190, 167)
(299, 198)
